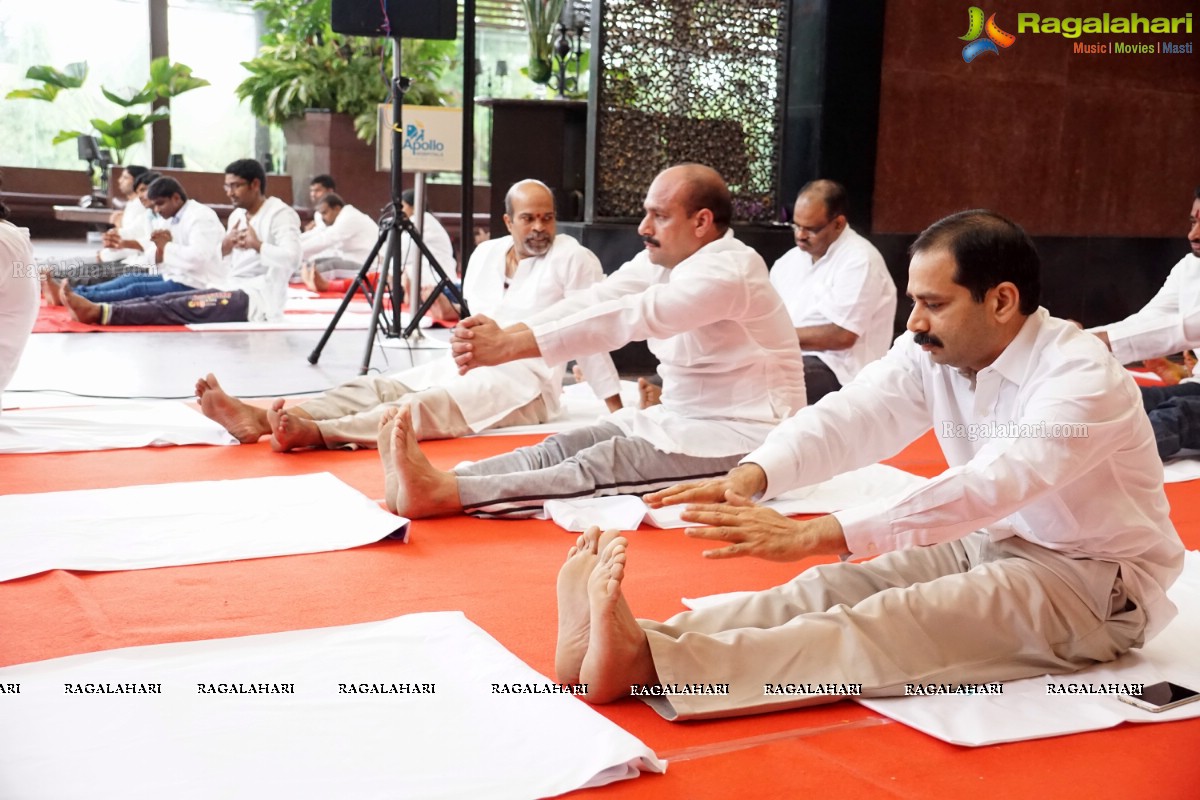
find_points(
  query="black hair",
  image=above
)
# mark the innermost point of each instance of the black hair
(146, 178)
(324, 180)
(135, 171)
(249, 170)
(988, 249)
(331, 200)
(165, 187)
(831, 193)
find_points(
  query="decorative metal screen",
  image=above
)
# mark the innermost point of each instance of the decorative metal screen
(688, 80)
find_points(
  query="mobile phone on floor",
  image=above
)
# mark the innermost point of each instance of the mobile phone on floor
(1160, 696)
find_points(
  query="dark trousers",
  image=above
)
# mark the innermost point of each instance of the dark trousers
(182, 308)
(819, 379)
(1175, 416)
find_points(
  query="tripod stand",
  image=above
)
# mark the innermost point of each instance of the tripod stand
(394, 222)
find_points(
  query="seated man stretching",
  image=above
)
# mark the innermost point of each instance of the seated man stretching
(511, 278)
(1170, 322)
(338, 248)
(731, 368)
(1044, 548)
(258, 254)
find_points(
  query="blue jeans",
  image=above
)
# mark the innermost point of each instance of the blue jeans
(130, 287)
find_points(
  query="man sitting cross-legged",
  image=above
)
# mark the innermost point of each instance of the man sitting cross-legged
(730, 363)
(1045, 547)
(511, 278)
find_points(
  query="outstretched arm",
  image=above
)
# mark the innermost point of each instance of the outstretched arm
(479, 342)
(750, 530)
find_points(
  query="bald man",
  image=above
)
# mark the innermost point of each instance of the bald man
(510, 278)
(728, 356)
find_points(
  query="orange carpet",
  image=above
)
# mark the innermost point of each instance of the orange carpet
(501, 574)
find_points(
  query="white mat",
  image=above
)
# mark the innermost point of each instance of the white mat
(138, 527)
(107, 427)
(626, 512)
(291, 322)
(461, 741)
(1182, 470)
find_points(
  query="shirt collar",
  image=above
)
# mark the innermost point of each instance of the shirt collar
(846, 235)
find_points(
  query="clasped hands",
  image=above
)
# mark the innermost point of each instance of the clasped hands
(479, 341)
(747, 529)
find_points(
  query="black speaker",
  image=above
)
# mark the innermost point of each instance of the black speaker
(407, 19)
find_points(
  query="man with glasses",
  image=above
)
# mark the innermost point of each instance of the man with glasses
(837, 289)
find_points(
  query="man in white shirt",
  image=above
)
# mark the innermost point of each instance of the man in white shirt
(727, 354)
(437, 240)
(1045, 547)
(510, 278)
(1169, 323)
(318, 187)
(187, 250)
(837, 290)
(18, 294)
(257, 255)
(339, 247)
(127, 248)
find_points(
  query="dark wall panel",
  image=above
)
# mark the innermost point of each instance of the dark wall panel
(1068, 144)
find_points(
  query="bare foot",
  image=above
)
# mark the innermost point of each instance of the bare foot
(391, 481)
(246, 422)
(292, 429)
(618, 655)
(1170, 372)
(314, 281)
(650, 393)
(421, 490)
(574, 609)
(51, 290)
(80, 308)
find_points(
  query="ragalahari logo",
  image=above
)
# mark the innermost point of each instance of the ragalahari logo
(976, 27)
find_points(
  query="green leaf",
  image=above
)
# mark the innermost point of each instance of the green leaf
(46, 92)
(138, 98)
(171, 79)
(66, 136)
(70, 78)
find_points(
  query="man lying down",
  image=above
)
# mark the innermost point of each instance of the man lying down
(1046, 547)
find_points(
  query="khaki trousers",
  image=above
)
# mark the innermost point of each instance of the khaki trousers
(969, 611)
(350, 413)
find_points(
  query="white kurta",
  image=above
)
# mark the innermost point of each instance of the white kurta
(1048, 443)
(488, 394)
(136, 224)
(264, 275)
(729, 360)
(1168, 324)
(438, 241)
(193, 256)
(850, 287)
(20, 296)
(351, 237)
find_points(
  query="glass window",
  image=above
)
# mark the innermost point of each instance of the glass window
(111, 35)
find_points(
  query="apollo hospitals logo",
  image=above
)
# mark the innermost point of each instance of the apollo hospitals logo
(994, 37)
(416, 142)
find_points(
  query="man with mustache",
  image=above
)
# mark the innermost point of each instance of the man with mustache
(727, 353)
(511, 277)
(1169, 323)
(1046, 547)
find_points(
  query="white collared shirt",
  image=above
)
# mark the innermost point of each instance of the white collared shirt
(1168, 324)
(1048, 443)
(488, 394)
(193, 256)
(351, 237)
(850, 287)
(727, 351)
